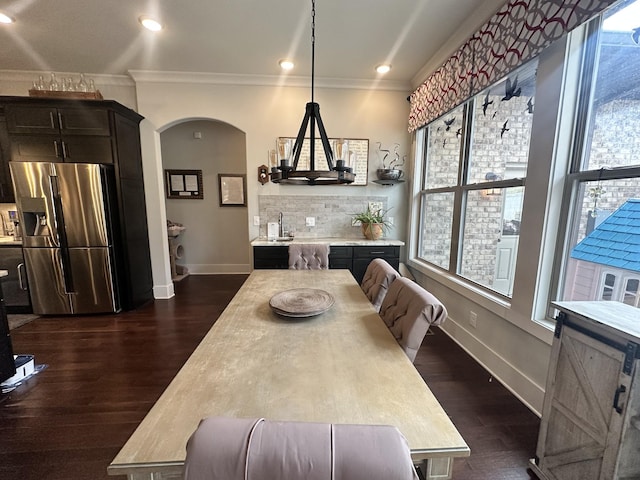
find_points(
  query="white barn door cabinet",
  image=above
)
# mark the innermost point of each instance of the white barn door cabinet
(590, 427)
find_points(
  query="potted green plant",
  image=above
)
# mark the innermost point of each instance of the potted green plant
(372, 222)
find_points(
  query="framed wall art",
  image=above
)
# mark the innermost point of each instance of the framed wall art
(232, 188)
(183, 184)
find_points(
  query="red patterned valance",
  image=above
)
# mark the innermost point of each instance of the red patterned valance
(518, 32)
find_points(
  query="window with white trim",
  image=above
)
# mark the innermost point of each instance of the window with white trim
(475, 160)
(603, 221)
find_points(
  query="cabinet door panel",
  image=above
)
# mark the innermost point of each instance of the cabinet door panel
(270, 257)
(14, 285)
(137, 282)
(79, 149)
(340, 262)
(84, 121)
(32, 148)
(580, 430)
(32, 120)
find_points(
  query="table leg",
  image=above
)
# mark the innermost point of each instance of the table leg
(436, 468)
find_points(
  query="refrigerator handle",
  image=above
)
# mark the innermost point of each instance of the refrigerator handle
(21, 283)
(62, 235)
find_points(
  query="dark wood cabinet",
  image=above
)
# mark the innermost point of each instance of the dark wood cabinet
(363, 255)
(89, 131)
(341, 257)
(14, 285)
(72, 149)
(7, 364)
(354, 258)
(46, 133)
(46, 118)
(271, 257)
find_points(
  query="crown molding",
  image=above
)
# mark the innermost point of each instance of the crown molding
(149, 76)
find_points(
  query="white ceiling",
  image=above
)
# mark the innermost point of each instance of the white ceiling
(240, 37)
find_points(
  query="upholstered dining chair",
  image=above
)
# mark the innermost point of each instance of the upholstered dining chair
(225, 448)
(308, 256)
(376, 281)
(409, 310)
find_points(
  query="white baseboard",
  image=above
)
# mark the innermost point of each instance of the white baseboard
(521, 386)
(163, 291)
(213, 269)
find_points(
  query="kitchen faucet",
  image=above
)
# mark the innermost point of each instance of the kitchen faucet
(280, 231)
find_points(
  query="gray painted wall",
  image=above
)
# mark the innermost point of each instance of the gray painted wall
(215, 239)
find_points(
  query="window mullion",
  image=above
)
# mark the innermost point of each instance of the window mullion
(463, 174)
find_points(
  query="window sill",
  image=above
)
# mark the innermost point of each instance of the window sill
(499, 306)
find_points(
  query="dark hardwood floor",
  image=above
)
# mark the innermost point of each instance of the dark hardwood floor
(105, 372)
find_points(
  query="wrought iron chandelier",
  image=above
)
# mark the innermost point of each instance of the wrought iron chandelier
(285, 172)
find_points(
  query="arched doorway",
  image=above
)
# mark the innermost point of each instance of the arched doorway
(215, 239)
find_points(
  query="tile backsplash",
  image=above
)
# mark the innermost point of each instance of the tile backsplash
(332, 213)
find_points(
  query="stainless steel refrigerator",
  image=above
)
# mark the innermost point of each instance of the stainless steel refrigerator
(66, 211)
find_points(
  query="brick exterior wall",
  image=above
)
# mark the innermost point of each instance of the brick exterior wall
(504, 154)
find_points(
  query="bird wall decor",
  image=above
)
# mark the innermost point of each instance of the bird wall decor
(448, 123)
(529, 105)
(504, 129)
(511, 90)
(635, 36)
(486, 103)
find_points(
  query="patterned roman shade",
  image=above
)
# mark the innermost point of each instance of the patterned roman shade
(518, 32)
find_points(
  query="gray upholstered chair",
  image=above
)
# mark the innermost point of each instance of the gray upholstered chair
(376, 281)
(247, 449)
(409, 310)
(308, 256)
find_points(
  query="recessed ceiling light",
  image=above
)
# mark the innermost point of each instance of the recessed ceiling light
(383, 68)
(4, 18)
(150, 24)
(286, 64)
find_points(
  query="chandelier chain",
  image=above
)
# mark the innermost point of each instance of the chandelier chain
(313, 46)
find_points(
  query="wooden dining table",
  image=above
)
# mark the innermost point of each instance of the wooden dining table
(340, 366)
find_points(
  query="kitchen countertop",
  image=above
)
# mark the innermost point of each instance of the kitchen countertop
(9, 240)
(335, 241)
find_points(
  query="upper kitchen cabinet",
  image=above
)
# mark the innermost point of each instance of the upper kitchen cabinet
(44, 119)
(55, 130)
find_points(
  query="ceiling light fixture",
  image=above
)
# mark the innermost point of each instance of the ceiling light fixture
(150, 24)
(383, 68)
(286, 173)
(4, 18)
(286, 64)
